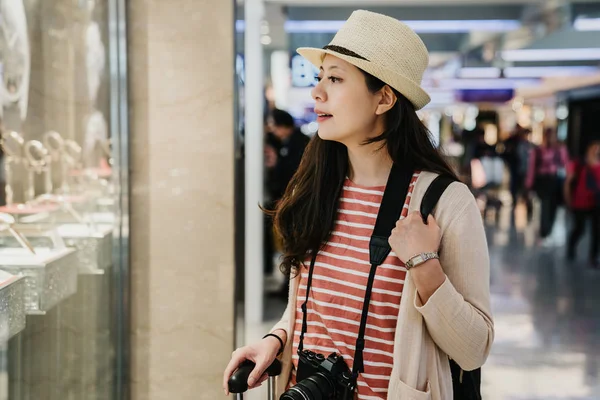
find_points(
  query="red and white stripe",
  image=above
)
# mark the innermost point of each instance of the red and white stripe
(338, 291)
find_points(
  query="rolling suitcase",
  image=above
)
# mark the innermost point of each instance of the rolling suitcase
(238, 383)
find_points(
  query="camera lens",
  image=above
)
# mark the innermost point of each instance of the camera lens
(315, 387)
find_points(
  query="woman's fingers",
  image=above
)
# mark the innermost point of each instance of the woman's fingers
(260, 381)
(237, 358)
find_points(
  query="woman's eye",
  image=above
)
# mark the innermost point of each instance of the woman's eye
(318, 78)
(333, 79)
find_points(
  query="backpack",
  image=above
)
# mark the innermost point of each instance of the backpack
(466, 385)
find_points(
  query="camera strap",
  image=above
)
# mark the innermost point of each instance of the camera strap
(390, 210)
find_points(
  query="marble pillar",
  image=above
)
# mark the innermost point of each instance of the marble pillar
(181, 74)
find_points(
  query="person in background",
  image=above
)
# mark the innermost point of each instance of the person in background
(543, 176)
(284, 148)
(582, 195)
(283, 156)
(516, 155)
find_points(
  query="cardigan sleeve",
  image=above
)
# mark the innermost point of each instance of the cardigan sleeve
(458, 315)
(283, 322)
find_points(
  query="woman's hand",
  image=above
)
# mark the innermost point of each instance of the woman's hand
(262, 353)
(411, 236)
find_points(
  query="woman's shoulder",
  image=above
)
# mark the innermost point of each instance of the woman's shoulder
(455, 191)
(455, 198)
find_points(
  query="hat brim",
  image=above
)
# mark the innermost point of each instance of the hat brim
(412, 91)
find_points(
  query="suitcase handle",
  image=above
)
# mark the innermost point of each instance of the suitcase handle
(238, 383)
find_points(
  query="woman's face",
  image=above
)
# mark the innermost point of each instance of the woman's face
(347, 112)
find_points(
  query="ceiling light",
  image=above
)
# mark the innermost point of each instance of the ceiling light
(483, 72)
(540, 72)
(266, 40)
(587, 24)
(240, 25)
(425, 26)
(562, 112)
(552, 54)
(466, 84)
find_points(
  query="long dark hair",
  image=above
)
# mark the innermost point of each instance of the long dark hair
(305, 216)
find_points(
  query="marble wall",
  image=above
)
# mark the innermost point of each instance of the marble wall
(181, 71)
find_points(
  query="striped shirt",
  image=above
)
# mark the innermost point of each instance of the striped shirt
(338, 290)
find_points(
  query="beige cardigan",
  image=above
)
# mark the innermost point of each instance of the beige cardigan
(456, 322)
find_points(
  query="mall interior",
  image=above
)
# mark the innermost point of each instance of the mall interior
(137, 141)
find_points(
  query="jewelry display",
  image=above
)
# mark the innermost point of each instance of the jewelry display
(56, 148)
(37, 163)
(16, 66)
(7, 223)
(12, 305)
(50, 268)
(12, 145)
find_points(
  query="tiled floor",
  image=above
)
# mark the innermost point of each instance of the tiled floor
(547, 318)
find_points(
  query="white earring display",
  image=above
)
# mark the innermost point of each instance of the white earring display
(95, 59)
(73, 158)
(37, 163)
(14, 39)
(12, 144)
(56, 148)
(96, 136)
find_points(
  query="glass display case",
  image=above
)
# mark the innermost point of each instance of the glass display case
(12, 305)
(40, 256)
(62, 267)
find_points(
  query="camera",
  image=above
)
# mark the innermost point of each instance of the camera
(321, 378)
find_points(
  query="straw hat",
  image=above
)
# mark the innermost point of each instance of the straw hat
(382, 46)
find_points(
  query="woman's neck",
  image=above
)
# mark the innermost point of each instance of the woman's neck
(369, 166)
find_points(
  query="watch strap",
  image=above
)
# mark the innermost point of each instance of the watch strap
(420, 258)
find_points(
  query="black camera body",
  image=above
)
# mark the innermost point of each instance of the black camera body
(320, 377)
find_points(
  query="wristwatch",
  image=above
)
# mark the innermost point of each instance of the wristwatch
(420, 259)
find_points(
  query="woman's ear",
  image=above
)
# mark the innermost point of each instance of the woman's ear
(387, 101)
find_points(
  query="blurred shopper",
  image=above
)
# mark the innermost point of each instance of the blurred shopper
(516, 155)
(284, 147)
(487, 174)
(283, 155)
(582, 194)
(421, 315)
(546, 163)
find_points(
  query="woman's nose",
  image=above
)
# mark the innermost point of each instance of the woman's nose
(318, 93)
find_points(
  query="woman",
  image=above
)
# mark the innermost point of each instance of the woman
(546, 163)
(582, 194)
(367, 93)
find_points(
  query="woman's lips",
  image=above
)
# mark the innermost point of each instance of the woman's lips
(323, 118)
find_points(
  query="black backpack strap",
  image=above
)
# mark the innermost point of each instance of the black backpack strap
(390, 210)
(466, 385)
(433, 194)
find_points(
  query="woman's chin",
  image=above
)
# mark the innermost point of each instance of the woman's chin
(328, 134)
